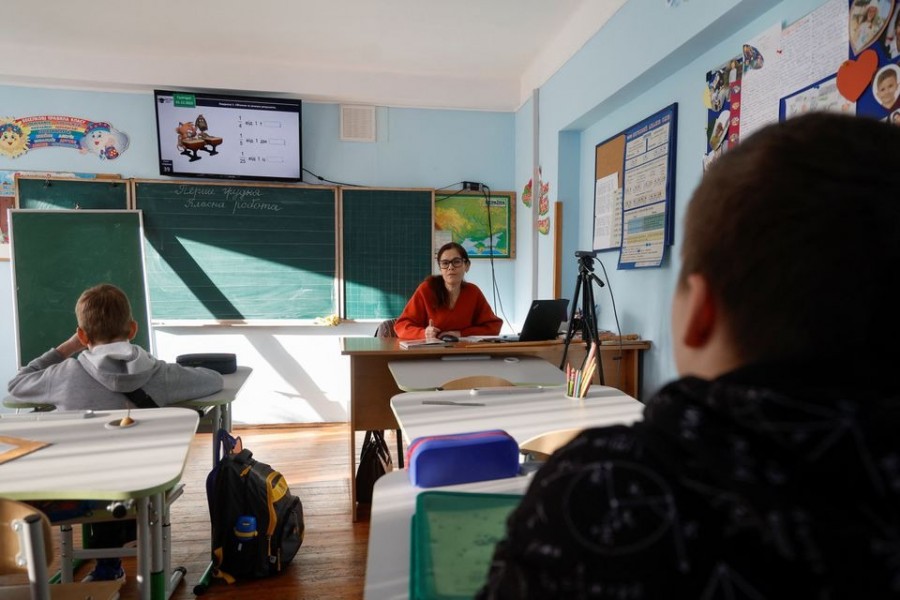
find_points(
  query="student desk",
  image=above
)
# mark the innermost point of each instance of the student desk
(86, 460)
(219, 403)
(372, 385)
(522, 412)
(432, 373)
(393, 505)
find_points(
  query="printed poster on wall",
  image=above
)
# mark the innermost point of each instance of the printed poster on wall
(648, 191)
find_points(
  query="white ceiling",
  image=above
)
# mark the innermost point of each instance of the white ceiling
(469, 54)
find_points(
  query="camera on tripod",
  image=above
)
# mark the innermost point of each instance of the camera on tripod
(583, 319)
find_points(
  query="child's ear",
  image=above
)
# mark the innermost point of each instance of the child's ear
(700, 312)
(83, 337)
(132, 330)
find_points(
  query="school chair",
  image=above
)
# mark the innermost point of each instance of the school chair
(540, 447)
(26, 546)
(386, 330)
(475, 381)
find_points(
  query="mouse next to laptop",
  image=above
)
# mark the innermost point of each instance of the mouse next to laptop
(449, 338)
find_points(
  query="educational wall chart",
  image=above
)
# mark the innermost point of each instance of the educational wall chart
(634, 191)
(465, 219)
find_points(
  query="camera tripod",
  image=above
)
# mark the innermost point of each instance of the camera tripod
(587, 322)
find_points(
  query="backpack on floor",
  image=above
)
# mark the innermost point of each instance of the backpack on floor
(257, 523)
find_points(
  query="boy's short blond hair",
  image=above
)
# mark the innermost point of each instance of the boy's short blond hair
(104, 313)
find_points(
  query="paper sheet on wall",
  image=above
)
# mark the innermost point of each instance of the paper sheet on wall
(644, 196)
(607, 213)
(760, 91)
(814, 47)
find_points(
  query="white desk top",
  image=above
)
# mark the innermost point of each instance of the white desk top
(393, 504)
(522, 412)
(432, 373)
(87, 460)
(232, 383)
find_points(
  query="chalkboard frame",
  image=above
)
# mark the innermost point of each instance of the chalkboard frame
(121, 202)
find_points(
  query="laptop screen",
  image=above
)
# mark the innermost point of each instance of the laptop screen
(543, 320)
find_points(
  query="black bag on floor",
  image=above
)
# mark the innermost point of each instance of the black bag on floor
(257, 523)
(374, 461)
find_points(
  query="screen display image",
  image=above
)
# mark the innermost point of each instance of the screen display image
(227, 136)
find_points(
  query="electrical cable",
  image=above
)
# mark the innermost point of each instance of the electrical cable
(320, 178)
(618, 359)
(449, 186)
(495, 288)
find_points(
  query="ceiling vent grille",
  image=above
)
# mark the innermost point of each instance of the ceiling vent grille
(357, 123)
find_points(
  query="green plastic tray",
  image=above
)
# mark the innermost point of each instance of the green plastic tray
(453, 539)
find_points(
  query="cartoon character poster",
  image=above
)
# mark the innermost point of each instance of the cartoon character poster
(96, 138)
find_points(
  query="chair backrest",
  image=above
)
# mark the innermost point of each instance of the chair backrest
(12, 535)
(26, 545)
(540, 447)
(386, 329)
(476, 381)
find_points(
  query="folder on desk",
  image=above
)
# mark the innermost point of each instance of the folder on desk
(426, 343)
(453, 539)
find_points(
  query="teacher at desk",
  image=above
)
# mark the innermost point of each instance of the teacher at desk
(446, 304)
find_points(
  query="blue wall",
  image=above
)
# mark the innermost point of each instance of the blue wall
(646, 58)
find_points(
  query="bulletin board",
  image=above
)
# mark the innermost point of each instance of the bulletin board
(634, 190)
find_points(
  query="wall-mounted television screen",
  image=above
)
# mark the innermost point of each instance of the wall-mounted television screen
(227, 136)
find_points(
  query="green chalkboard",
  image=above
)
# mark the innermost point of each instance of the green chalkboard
(55, 192)
(56, 255)
(238, 252)
(387, 248)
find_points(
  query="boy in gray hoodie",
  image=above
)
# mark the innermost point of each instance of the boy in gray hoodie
(107, 367)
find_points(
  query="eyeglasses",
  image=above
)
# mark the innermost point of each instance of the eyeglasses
(456, 262)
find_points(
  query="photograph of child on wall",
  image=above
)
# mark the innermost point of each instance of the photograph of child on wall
(886, 85)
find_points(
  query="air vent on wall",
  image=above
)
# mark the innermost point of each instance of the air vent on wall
(357, 123)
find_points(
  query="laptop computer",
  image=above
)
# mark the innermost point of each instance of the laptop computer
(542, 321)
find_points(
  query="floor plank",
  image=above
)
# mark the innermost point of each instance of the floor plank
(313, 459)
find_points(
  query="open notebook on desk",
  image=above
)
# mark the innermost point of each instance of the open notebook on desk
(541, 323)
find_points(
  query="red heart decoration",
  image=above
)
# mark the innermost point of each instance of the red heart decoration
(854, 76)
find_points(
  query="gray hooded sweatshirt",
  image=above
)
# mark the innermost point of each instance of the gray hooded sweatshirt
(98, 378)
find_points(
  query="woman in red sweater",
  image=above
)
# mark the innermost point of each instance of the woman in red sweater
(445, 304)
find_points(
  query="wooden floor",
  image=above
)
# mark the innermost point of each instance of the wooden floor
(313, 458)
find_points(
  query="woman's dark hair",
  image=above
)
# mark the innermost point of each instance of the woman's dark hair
(436, 282)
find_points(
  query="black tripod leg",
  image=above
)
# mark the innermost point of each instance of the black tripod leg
(591, 332)
(570, 330)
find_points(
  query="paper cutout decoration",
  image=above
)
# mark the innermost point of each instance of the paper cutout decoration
(22, 134)
(854, 76)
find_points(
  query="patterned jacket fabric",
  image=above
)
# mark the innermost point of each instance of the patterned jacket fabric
(754, 485)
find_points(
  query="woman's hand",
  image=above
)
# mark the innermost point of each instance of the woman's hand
(431, 331)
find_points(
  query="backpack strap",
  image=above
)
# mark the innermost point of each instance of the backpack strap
(141, 399)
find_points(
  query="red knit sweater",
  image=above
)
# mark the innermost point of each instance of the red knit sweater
(472, 315)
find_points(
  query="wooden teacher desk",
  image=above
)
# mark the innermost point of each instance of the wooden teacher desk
(86, 459)
(372, 385)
